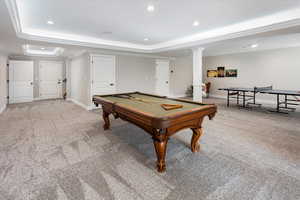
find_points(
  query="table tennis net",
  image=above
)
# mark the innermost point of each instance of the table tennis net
(258, 89)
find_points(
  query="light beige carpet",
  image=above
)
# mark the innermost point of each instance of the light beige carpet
(56, 150)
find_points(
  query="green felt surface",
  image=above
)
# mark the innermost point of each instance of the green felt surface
(152, 107)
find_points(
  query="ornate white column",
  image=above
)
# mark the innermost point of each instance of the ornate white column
(197, 74)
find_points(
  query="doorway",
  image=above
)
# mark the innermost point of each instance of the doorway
(20, 81)
(50, 79)
(162, 76)
(103, 74)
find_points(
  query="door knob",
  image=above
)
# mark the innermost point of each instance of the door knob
(31, 83)
(111, 84)
(167, 82)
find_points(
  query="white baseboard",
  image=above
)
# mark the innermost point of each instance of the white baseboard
(45, 98)
(177, 95)
(3, 108)
(37, 99)
(91, 108)
(80, 104)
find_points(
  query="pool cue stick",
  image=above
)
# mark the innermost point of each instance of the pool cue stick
(135, 98)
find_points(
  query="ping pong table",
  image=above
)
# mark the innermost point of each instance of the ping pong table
(248, 97)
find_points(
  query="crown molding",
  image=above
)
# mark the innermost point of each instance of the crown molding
(134, 54)
(45, 58)
(78, 54)
(252, 50)
(118, 53)
(69, 39)
(195, 49)
(259, 25)
(14, 15)
(272, 22)
(57, 51)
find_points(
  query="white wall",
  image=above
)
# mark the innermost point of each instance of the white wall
(182, 76)
(3, 82)
(135, 74)
(280, 68)
(79, 73)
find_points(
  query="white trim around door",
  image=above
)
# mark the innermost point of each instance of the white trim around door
(20, 81)
(103, 75)
(50, 79)
(162, 77)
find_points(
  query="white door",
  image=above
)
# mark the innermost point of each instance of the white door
(50, 79)
(103, 74)
(20, 81)
(162, 78)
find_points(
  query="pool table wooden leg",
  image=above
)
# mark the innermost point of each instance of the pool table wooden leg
(106, 125)
(160, 144)
(195, 146)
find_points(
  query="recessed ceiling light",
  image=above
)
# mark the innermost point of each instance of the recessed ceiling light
(195, 23)
(146, 39)
(50, 22)
(43, 48)
(254, 45)
(150, 8)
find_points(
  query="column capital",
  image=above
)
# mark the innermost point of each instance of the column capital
(198, 49)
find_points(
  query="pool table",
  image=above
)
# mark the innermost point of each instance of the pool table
(146, 112)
